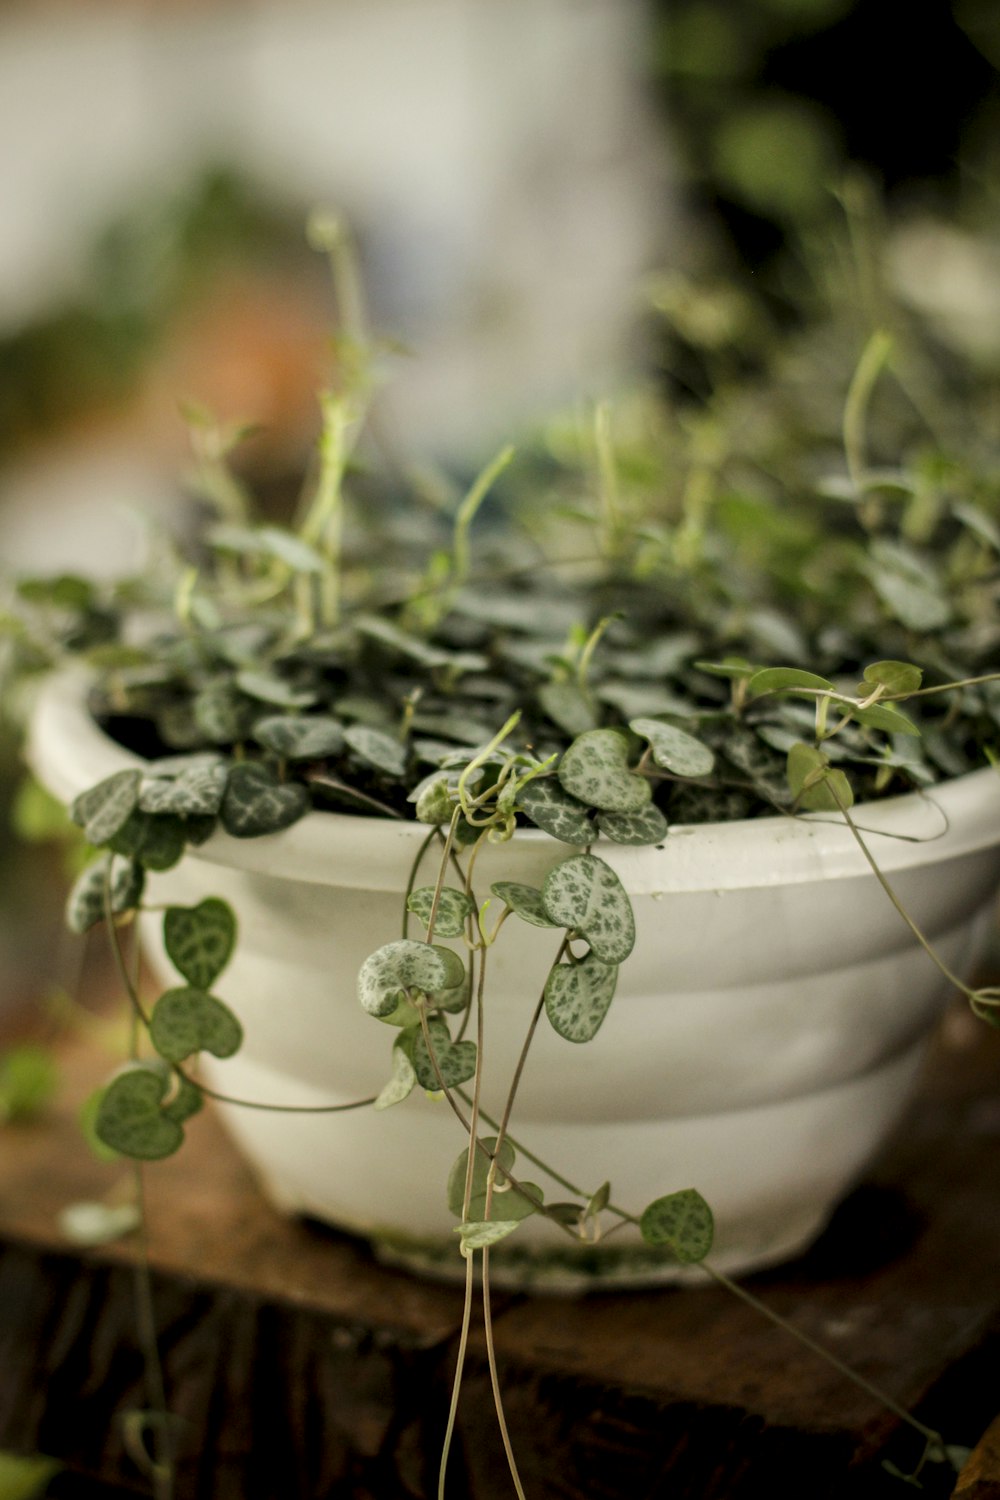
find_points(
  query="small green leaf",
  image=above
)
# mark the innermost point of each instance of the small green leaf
(154, 841)
(682, 1223)
(786, 680)
(595, 769)
(887, 718)
(195, 793)
(454, 907)
(647, 826)
(456, 1061)
(895, 676)
(256, 803)
(524, 901)
(584, 894)
(814, 784)
(186, 1100)
(268, 687)
(377, 749)
(292, 738)
(577, 997)
(479, 1234)
(402, 1082)
(105, 808)
(199, 940)
(674, 749)
(186, 1021)
(554, 811)
(223, 715)
(130, 1118)
(85, 905)
(395, 971)
(435, 804)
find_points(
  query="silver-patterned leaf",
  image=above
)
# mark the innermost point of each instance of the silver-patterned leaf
(525, 901)
(294, 738)
(199, 940)
(393, 972)
(479, 1234)
(195, 793)
(674, 749)
(85, 905)
(647, 826)
(256, 803)
(584, 894)
(577, 997)
(595, 769)
(554, 811)
(104, 809)
(453, 909)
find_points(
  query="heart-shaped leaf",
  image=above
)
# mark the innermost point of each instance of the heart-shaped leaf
(647, 826)
(577, 997)
(682, 1223)
(554, 811)
(524, 900)
(292, 738)
(85, 905)
(155, 841)
(185, 1021)
(813, 782)
(394, 972)
(256, 803)
(268, 687)
(187, 1100)
(674, 749)
(103, 810)
(453, 908)
(195, 793)
(377, 749)
(584, 894)
(895, 676)
(199, 940)
(402, 1082)
(595, 769)
(456, 1061)
(222, 714)
(130, 1118)
(510, 1204)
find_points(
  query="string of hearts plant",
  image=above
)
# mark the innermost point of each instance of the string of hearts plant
(279, 671)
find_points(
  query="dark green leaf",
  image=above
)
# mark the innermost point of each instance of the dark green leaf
(682, 1223)
(199, 940)
(130, 1117)
(185, 1021)
(554, 811)
(105, 808)
(378, 749)
(312, 738)
(256, 803)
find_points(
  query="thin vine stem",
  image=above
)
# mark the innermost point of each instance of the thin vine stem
(456, 1386)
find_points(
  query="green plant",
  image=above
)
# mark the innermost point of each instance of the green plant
(600, 674)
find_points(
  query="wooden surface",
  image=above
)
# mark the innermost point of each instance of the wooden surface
(299, 1368)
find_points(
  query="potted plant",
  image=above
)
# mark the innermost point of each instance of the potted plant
(458, 796)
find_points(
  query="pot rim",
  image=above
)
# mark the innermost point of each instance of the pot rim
(69, 753)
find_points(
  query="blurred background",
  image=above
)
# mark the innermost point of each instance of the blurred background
(549, 197)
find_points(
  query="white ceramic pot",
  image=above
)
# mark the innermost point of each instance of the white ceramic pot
(765, 1037)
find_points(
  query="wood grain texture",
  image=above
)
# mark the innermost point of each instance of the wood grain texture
(299, 1367)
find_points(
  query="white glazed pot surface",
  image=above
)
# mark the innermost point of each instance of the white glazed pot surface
(766, 1033)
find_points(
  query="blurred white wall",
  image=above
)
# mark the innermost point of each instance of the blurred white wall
(497, 157)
